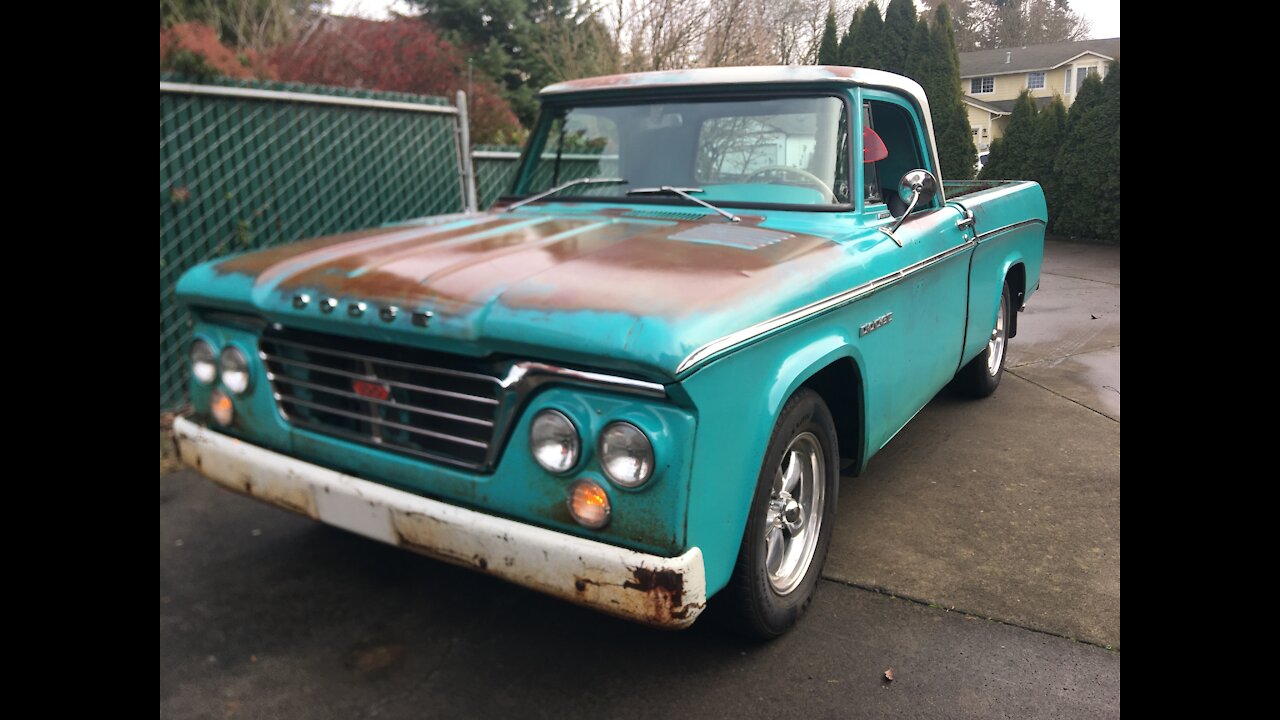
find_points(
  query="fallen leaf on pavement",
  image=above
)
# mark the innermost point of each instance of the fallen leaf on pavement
(888, 674)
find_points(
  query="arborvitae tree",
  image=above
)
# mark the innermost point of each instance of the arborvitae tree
(1051, 127)
(846, 42)
(899, 30)
(867, 47)
(956, 153)
(920, 63)
(1086, 184)
(1013, 157)
(1051, 123)
(829, 50)
(1107, 221)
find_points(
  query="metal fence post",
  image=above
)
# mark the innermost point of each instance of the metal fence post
(464, 150)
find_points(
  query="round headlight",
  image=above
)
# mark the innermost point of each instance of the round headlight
(626, 455)
(235, 370)
(203, 364)
(554, 442)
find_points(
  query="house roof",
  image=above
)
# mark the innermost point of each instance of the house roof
(983, 105)
(1033, 57)
(1005, 107)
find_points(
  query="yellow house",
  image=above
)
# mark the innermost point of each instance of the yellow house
(991, 80)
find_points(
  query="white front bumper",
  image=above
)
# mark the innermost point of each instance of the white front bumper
(665, 592)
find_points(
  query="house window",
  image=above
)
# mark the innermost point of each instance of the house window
(1035, 80)
(980, 85)
(1082, 73)
(1067, 87)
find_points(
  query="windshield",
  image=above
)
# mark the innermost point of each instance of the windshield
(787, 150)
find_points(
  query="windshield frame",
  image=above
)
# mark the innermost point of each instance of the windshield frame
(552, 106)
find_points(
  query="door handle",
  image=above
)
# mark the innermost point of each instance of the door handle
(966, 219)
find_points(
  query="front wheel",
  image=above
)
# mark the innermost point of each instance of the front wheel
(982, 375)
(790, 522)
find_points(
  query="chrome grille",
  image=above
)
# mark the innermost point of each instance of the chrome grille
(418, 402)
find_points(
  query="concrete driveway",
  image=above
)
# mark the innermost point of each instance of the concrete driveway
(978, 557)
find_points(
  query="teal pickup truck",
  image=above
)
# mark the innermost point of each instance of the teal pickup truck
(635, 382)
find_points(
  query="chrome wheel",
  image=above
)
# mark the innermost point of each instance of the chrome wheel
(793, 520)
(995, 346)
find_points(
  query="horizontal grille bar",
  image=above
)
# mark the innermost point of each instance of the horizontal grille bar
(325, 430)
(375, 379)
(383, 361)
(386, 403)
(409, 400)
(379, 421)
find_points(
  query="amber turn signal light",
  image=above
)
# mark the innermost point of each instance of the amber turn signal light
(220, 406)
(588, 504)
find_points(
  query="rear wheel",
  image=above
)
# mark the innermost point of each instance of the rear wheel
(982, 375)
(789, 527)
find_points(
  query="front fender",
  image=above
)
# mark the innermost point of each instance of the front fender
(738, 400)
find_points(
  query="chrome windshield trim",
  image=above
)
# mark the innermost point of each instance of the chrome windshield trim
(732, 340)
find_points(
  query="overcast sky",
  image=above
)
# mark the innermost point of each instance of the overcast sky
(1104, 14)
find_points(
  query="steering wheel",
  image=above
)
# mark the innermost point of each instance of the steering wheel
(828, 195)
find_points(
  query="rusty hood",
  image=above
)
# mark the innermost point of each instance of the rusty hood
(609, 288)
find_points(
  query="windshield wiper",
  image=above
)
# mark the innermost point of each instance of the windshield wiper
(684, 193)
(564, 185)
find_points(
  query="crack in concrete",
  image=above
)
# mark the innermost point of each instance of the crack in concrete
(1064, 397)
(1076, 277)
(1061, 358)
(918, 601)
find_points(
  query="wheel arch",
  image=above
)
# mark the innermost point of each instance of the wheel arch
(839, 384)
(1016, 276)
(836, 374)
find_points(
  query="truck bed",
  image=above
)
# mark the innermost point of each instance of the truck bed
(959, 188)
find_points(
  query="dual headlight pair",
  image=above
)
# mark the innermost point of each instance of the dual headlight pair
(232, 365)
(626, 455)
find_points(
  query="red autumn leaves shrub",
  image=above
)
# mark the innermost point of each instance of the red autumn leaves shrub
(401, 55)
(193, 48)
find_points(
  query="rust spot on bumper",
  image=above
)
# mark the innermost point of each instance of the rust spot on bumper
(665, 590)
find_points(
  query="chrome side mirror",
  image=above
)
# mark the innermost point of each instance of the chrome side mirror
(917, 186)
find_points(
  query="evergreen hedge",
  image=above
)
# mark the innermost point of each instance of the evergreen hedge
(1074, 155)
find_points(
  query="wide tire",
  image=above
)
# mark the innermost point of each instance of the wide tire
(982, 375)
(790, 523)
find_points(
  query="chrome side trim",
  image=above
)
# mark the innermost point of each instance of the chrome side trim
(532, 374)
(989, 233)
(192, 89)
(715, 347)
